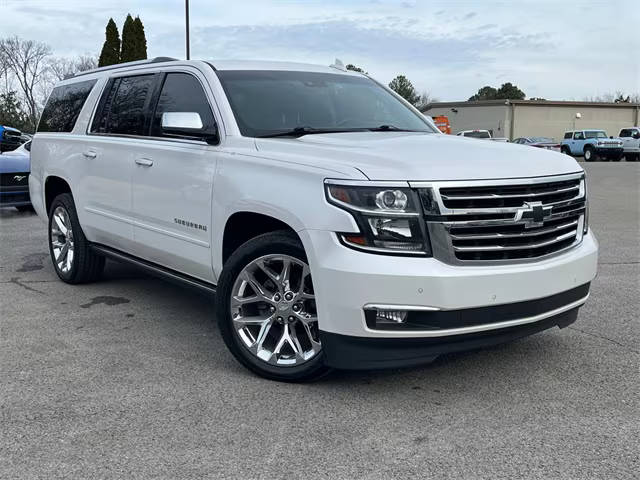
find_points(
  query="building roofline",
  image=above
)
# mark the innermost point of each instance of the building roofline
(562, 103)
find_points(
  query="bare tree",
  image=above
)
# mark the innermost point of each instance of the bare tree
(26, 60)
(425, 99)
(62, 68)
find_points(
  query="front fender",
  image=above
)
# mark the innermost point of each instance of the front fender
(286, 191)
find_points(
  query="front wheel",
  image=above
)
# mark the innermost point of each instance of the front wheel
(266, 309)
(590, 155)
(565, 150)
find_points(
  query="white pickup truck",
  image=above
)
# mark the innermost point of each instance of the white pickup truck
(630, 143)
(335, 225)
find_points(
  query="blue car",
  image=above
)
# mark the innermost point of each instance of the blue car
(10, 139)
(14, 178)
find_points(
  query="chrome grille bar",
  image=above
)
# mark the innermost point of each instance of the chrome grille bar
(489, 248)
(530, 233)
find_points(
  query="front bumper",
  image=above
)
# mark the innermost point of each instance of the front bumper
(362, 353)
(14, 196)
(345, 281)
(609, 151)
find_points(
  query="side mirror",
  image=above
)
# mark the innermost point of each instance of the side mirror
(189, 124)
(181, 121)
(636, 135)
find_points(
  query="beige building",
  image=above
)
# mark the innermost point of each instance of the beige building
(535, 118)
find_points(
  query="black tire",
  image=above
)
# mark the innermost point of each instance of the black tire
(590, 155)
(283, 243)
(565, 150)
(25, 208)
(86, 266)
(632, 157)
(616, 158)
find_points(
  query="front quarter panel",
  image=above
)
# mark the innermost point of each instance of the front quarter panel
(290, 192)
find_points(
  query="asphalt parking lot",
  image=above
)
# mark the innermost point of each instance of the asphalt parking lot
(128, 378)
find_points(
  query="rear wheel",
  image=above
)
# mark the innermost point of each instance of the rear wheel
(266, 309)
(590, 155)
(72, 257)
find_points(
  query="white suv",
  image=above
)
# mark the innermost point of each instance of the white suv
(250, 179)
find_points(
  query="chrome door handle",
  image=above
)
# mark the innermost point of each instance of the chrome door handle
(90, 154)
(145, 162)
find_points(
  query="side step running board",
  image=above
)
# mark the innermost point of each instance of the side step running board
(154, 269)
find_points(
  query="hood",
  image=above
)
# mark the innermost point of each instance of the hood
(18, 162)
(418, 156)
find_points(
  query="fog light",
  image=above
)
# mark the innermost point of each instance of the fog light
(392, 316)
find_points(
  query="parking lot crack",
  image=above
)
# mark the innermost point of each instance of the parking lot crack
(16, 281)
(610, 340)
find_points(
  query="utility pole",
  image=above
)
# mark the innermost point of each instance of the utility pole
(186, 16)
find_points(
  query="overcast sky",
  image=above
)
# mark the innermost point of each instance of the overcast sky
(559, 49)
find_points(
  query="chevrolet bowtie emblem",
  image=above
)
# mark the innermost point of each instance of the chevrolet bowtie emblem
(533, 214)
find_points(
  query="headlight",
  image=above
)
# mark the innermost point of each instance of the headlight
(389, 218)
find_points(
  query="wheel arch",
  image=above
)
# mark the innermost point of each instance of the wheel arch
(54, 186)
(241, 226)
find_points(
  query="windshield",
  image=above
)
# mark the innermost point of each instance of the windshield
(478, 134)
(270, 102)
(595, 134)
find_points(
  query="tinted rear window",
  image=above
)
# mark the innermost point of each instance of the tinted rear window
(63, 107)
(123, 107)
(477, 134)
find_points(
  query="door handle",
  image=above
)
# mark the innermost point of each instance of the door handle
(90, 154)
(145, 162)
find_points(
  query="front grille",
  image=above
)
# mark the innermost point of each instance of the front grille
(507, 221)
(14, 179)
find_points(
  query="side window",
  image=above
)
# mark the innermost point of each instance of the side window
(123, 108)
(579, 136)
(182, 92)
(626, 132)
(63, 107)
(568, 135)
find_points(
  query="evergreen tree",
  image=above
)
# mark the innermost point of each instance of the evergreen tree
(128, 52)
(141, 40)
(403, 87)
(110, 53)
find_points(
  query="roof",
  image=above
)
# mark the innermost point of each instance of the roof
(10, 128)
(276, 65)
(225, 65)
(558, 103)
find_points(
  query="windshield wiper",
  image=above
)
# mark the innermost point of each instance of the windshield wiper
(390, 128)
(300, 131)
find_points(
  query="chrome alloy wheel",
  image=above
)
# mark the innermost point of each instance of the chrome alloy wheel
(62, 240)
(274, 312)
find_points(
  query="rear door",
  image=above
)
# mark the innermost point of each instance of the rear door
(116, 134)
(173, 181)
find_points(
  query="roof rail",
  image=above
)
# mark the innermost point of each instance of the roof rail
(126, 64)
